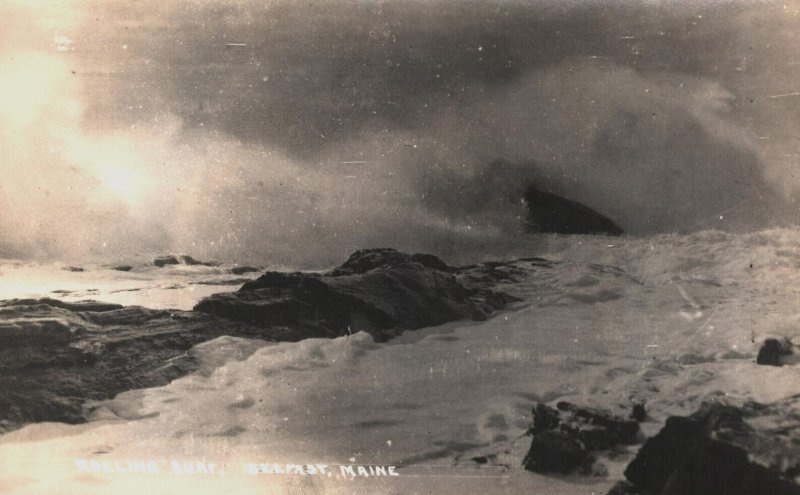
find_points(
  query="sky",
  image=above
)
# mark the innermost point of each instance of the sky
(296, 132)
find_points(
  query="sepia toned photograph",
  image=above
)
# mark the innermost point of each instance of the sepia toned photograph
(540, 247)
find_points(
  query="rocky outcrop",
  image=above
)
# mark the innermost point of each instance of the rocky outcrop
(773, 352)
(182, 259)
(381, 291)
(747, 449)
(568, 438)
(549, 213)
(240, 270)
(55, 355)
(163, 261)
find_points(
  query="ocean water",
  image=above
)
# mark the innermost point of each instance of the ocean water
(668, 320)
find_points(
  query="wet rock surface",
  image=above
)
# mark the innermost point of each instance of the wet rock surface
(381, 291)
(567, 438)
(55, 355)
(746, 449)
(550, 213)
(773, 352)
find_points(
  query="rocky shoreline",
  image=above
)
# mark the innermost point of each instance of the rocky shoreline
(57, 357)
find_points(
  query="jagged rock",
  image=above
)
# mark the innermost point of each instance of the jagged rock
(431, 261)
(239, 270)
(717, 451)
(55, 355)
(163, 261)
(27, 331)
(597, 429)
(188, 260)
(365, 260)
(550, 213)
(773, 351)
(638, 413)
(25, 305)
(624, 488)
(556, 451)
(381, 291)
(566, 439)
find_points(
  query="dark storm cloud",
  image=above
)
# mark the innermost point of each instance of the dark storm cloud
(310, 70)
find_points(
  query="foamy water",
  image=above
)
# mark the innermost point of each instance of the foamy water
(668, 320)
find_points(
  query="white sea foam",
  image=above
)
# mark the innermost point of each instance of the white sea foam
(431, 400)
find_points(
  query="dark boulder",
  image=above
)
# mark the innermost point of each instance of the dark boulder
(188, 260)
(122, 268)
(381, 291)
(55, 355)
(431, 261)
(638, 413)
(556, 451)
(549, 213)
(240, 270)
(163, 261)
(365, 260)
(717, 451)
(773, 351)
(566, 439)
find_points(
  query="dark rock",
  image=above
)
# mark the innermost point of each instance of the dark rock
(556, 451)
(638, 413)
(597, 429)
(43, 332)
(550, 213)
(122, 268)
(277, 280)
(163, 261)
(55, 356)
(21, 305)
(73, 269)
(624, 488)
(239, 270)
(545, 418)
(381, 291)
(365, 260)
(772, 351)
(431, 261)
(717, 451)
(566, 439)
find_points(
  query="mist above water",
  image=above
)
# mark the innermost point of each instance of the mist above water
(295, 134)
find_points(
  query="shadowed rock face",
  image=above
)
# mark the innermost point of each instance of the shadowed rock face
(773, 351)
(720, 449)
(54, 355)
(567, 439)
(548, 213)
(381, 291)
